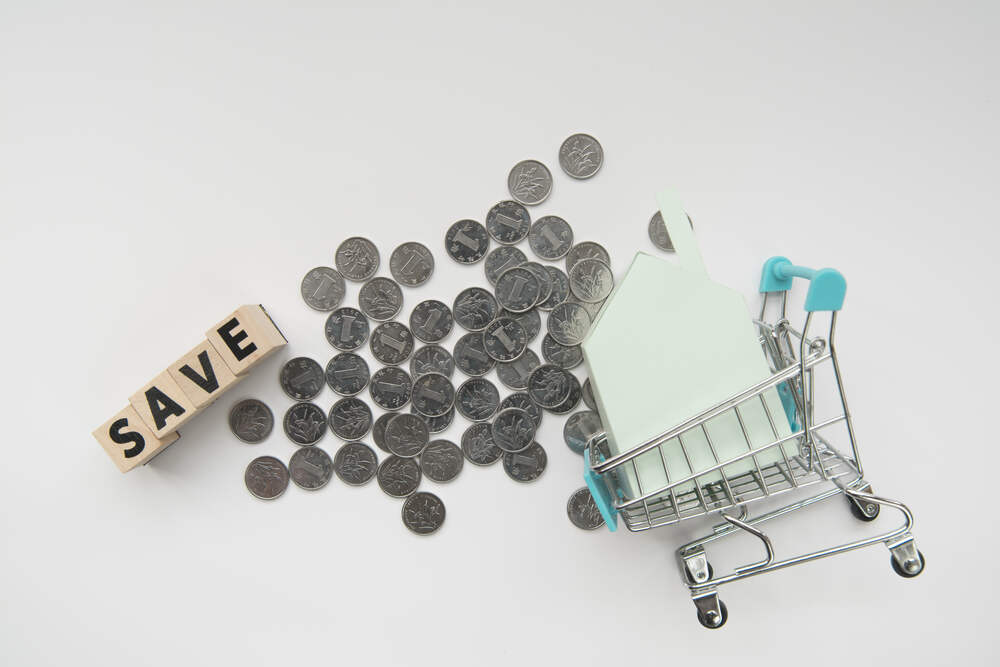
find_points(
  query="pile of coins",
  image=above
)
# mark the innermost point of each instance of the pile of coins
(499, 326)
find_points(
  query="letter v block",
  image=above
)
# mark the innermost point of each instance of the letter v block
(202, 375)
(128, 441)
(245, 337)
(163, 405)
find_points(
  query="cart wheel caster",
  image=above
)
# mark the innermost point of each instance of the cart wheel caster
(862, 515)
(711, 574)
(711, 621)
(911, 567)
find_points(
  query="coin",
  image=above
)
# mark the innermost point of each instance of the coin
(347, 374)
(350, 418)
(526, 465)
(580, 428)
(301, 378)
(436, 424)
(591, 280)
(588, 395)
(592, 309)
(474, 308)
(310, 468)
(323, 288)
(568, 323)
(347, 329)
(477, 399)
(471, 357)
(266, 477)
(585, 250)
(581, 156)
(478, 445)
(392, 343)
(572, 400)
(560, 288)
(398, 477)
(563, 356)
(514, 374)
(391, 388)
(355, 463)
(466, 241)
(411, 264)
(441, 461)
(423, 513)
(380, 298)
(513, 429)
(582, 510)
(504, 339)
(658, 232)
(500, 259)
(517, 289)
(406, 435)
(508, 222)
(544, 282)
(549, 385)
(432, 359)
(251, 420)
(522, 400)
(378, 431)
(529, 319)
(357, 259)
(304, 423)
(550, 237)
(431, 321)
(433, 395)
(529, 182)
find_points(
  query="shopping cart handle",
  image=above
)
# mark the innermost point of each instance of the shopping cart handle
(826, 289)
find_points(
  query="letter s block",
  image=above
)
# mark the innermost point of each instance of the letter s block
(245, 337)
(128, 441)
(202, 374)
(163, 405)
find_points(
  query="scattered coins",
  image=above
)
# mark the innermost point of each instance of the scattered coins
(563, 356)
(431, 321)
(471, 357)
(304, 423)
(529, 182)
(251, 420)
(398, 477)
(514, 374)
(549, 386)
(474, 308)
(527, 465)
(544, 282)
(266, 477)
(530, 320)
(500, 259)
(406, 435)
(347, 374)
(477, 399)
(582, 510)
(350, 418)
(513, 430)
(504, 339)
(323, 288)
(550, 237)
(347, 329)
(411, 264)
(423, 513)
(357, 259)
(580, 428)
(522, 400)
(392, 343)
(432, 359)
(441, 461)
(355, 463)
(310, 468)
(478, 445)
(437, 424)
(433, 395)
(572, 400)
(466, 241)
(390, 388)
(508, 222)
(586, 250)
(378, 431)
(302, 378)
(560, 288)
(380, 299)
(568, 323)
(581, 156)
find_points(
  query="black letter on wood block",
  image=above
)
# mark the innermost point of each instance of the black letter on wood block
(208, 382)
(116, 435)
(232, 341)
(161, 406)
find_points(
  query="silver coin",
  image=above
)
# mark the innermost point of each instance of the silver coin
(441, 461)
(310, 468)
(251, 420)
(398, 477)
(471, 357)
(572, 400)
(436, 424)
(347, 374)
(581, 156)
(586, 250)
(355, 463)
(433, 395)
(478, 445)
(513, 429)
(304, 423)
(591, 280)
(380, 298)
(411, 264)
(568, 323)
(560, 288)
(431, 321)
(529, 182)
(530, 320)
(392, 343)
(580, 428)
(508, 222)
(563, 356)
(592, 309)
(390, 388)
(522, 400)
(588, 395)
(500, 259)
(357, 259)
(526, 465)
(550, 237)
(658, 232)
(549, 386)
(582, 510)
(378, 431)
(347, 329)
(323, 288)
(350, 418)
(406, 435)
(301, 378)
(423, 513)
(477, 399)
(504, 339)
(544, 282)
(514, 374)
(474, 308)
(467, 241)
(432, 359)
(266, 477)
(517, 289)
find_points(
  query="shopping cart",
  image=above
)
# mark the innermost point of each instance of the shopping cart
(788, 463)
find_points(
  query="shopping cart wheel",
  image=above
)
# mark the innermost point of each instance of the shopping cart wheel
(691, 581)
(868, 513)
(716, 622)
(911, 567)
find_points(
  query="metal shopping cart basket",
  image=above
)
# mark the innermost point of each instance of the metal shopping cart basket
(805, 457)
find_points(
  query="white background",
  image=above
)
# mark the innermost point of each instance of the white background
(160, 166)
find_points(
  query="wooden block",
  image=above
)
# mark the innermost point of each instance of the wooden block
(202, 374)
(245, 337)
(163, 405)
(128, 441)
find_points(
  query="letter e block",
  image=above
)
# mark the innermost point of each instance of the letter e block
(163, 405)
(128, 441)
(202, 375)
(245, 337)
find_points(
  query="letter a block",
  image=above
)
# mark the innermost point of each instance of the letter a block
(128, 441)
(163, 405)
(202, 375)
(245, 337)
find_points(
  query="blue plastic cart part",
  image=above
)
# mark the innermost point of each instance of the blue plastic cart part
(601, 494)
(826, 289)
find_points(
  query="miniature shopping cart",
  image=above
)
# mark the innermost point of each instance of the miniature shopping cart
(798, 452)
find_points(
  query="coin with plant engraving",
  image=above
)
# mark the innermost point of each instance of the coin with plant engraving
(466, 241)
(310, 468)
(398, 477)
(380, 298)
(586, 250)
(323, 288)
(474, 308)
(581, 156)
(441, 460)
(301, 378)
(471, 357)
(423, 513)
(347, 374)
(350, 418)
(513, 429)
(304, 423)
(392, 343)
(591, 280)
(572, 399)
(436, 424)
(522, 400)
(530, 320)
(266, 477)
(500, 259)
(431, 321)
(355, 463)
(549, 386)
(517, 289)
(508, 222)
(580, 428)
(560, 288)
(431, 359)
(550, 237)
(477, 399)
(529, 182)
(347, 329)
(563, 356)
(251, 420)
(514, 374)
(390, 388)
(526, 465)
(411, 264)
(433, 395)
(406, 435)
(568, 323)
(478, 445)
(357, 259)
(582, 510)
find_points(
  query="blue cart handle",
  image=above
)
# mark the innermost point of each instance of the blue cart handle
(826, 290)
